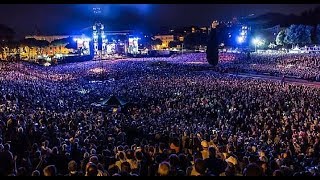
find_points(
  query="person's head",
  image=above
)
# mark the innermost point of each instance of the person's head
(45, 143)
(6, 147)
(212, 152)
(230, 170)
(94, 159)
(35, 173)
(125, 167)
(86, 155)
(277, 173)
(1, 147)
(200, 166)
(174, 160)
(139, 155)
(122, 156)
(93, 152)
(164, 169)
(22, 171)
(72, 166)
(204, 144)
(50, 170)
(252, 170)
(55, 150)
(129, 154)
(91, 169)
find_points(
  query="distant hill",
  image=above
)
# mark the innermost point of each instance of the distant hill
(308, 17)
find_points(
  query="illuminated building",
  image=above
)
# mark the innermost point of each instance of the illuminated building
(166, 39)
(83, 47)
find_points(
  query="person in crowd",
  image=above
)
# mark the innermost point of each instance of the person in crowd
(184, 118)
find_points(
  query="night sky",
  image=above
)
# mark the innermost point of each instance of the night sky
(71, 18)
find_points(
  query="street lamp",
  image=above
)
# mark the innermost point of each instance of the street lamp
(257, 42)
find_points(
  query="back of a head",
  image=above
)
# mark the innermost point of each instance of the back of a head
(175, 142)
(252, 170)
(22, 171)
(50, 170)
(212, 152)
(139, 155)
(122, 156)
(72, 166)
(164, 169)
(200, 166)
(174, 160)
(125, 167)
(278, 173)
(92, 170)
(94, 159)
(6, 147)
(35, 173)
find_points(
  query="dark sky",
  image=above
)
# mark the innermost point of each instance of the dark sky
(70, 18)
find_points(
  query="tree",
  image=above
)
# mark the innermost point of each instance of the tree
(212, 48)
(156, 42)
(318, 34)
(59, 42)
(193, 40)
(69, 43)
(298, 34)
(71, 46)
(280, 38)
(146, 41)
(173, 44)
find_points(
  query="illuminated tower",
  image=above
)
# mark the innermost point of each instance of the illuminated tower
(99, 38)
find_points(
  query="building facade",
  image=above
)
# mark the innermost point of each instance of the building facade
(166, 39)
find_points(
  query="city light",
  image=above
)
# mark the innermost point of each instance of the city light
(240, 39)
(257, 42)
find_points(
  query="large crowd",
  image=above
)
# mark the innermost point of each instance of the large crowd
(182, 120)
(301, 66)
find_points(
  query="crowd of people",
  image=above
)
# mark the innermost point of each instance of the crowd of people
(182, 120)
(302, 66)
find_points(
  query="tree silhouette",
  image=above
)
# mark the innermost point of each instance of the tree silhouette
(317, 34)
(280, 38)
(298, 34)
(60, 42)
(212, 48)
(174, 44)
(157, 42)
(195, 39)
